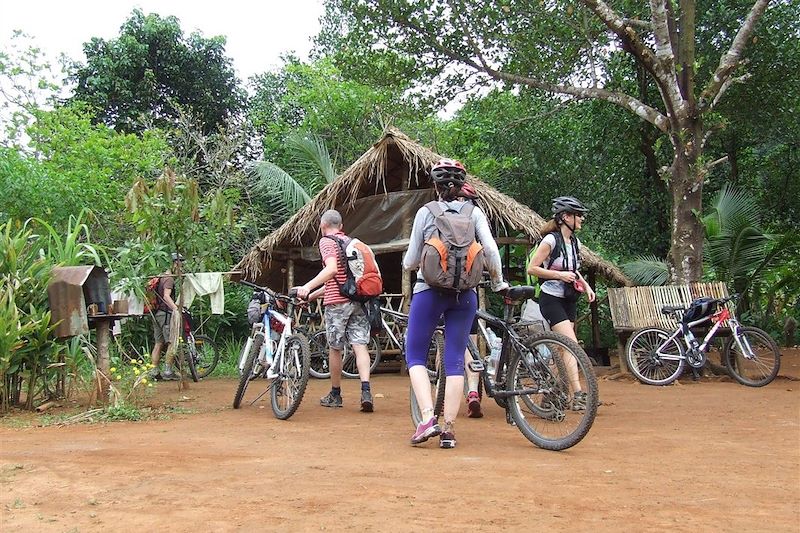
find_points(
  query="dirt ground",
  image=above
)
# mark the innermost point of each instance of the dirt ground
(706, 455)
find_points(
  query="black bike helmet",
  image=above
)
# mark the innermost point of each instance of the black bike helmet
(568, 204)
(449, 173)
(699, 309)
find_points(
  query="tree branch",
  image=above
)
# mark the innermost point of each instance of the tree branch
(664, 78)
(664, 49)
(636, 23)
(727, 83)
(732, 58)
(638, 108)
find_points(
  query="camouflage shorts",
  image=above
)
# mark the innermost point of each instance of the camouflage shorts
(346, 322)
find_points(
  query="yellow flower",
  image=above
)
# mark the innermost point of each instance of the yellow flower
(113, 369)
(119, 377)
(149, 384)
(139, 361)
(144, 380)
(136, 371)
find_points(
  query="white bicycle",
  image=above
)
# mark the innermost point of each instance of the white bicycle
(275, 352)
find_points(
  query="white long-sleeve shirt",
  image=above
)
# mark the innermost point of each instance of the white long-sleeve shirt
(424, 224)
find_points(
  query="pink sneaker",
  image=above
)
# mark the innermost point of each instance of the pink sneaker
(474, 405)
(425, 431)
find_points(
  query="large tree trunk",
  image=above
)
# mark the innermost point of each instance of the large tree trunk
(686, 246)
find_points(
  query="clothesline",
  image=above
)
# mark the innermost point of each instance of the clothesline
(188, 274)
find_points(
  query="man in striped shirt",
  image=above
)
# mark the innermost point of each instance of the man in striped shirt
(345, 320)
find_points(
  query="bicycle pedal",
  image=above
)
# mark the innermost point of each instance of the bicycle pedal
(476, 366)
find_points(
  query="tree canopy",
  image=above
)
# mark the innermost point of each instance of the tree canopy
(151, 69)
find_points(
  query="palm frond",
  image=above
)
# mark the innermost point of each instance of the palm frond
(731, 209)
(270, 179)
(311, 154)
(647, 270)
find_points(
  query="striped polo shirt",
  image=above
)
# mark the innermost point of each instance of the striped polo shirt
(328, 248)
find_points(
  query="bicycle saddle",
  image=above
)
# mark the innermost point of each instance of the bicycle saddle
(669, 309)
(520, 292)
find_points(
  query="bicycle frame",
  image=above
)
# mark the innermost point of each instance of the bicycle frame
(272, 360)
(688, 339)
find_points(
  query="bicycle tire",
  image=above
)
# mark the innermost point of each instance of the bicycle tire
(290, 384)
(247, 371)
(188, 359)
(767, 360)
(349, 367)
(437, 389)
(207, 355)
(557, 367)
(647, 366)
(319, 367)
(529, 372)
(435, 350)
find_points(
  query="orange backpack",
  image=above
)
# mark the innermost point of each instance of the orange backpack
(151, 295)
(364, 280)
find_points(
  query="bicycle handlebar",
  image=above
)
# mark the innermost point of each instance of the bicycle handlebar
(289, 298)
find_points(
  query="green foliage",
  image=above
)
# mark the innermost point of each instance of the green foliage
(535, 148)
(27, 82)
(737, 248)
(348, 114)
(271, 180)
(647, 270)
(171, 215)
(24, 275)
(152, 68)
(76, 165)
(75, 247)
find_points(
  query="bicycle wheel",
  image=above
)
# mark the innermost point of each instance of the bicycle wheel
(435, 349)
(185, 359)
(248, 370)
(556, 422)
(319, 367)
(754, 370)
(349, 367)
(437, 396)
(651, 363)
(288, 388)
(205, 354)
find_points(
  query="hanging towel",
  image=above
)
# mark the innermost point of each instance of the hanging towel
(202, 284)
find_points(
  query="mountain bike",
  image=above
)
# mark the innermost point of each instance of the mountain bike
(536, 377)
(197, 352)
(657, 357)
(320, 364)
(275, 352)
(399, 321)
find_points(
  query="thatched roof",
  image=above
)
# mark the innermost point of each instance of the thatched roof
(395, 163)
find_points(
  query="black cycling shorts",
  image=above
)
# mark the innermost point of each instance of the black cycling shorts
(555, 309)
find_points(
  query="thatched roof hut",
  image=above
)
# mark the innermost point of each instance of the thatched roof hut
(378, 196)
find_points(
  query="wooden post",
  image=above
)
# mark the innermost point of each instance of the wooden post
(622, 338)
(406, 285)
(290, 273)
(103, 331)
(595, 315)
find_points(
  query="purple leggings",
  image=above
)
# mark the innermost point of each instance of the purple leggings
(426, 309)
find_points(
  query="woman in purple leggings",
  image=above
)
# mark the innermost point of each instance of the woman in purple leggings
(429, 304)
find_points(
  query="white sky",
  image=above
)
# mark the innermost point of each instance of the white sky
(257, 32)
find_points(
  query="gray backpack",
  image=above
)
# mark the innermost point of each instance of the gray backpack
(451, 258)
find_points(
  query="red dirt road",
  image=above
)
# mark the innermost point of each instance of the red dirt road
(708, 455)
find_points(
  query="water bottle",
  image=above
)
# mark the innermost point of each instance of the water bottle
(496, 346)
